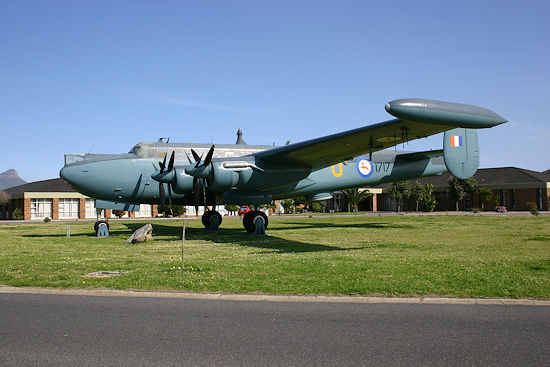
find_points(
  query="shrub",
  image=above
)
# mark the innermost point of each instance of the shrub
(18, 214)
(232, 208)
(288, 205)
(533, 208)
(178, 210)
(118, 213)
(501, 209)
(47, 220)
(429, 203)
(317, 207)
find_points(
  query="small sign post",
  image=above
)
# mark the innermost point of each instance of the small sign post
(183, 244)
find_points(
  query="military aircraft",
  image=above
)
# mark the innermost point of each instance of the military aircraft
(315, 168)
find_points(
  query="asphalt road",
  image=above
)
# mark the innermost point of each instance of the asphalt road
(61, 330)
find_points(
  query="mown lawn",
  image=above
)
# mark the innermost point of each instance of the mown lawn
(459, 256)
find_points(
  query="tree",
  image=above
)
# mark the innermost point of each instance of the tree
(4, 198)
(231, 208)
(428, 200)
(459, 189)
(355, 196)
(398, 191)
(485, 196)
(417, 193)
(288, 205)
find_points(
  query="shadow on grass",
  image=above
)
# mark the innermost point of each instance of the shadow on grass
(380, 225)
(238, 237)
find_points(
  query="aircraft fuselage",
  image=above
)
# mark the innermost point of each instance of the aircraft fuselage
(127, 178)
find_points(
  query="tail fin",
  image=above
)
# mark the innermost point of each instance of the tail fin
(461, 152)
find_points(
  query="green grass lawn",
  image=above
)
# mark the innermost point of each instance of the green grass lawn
(461, 256)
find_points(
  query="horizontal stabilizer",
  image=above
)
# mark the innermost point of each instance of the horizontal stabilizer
(417, 156)
(461, 152)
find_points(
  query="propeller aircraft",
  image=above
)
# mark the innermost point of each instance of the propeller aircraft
(315, 168)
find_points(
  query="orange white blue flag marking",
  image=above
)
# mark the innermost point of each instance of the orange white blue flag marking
(456, 141)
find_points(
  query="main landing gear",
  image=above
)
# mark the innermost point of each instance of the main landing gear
(211, 220)
(250, 220)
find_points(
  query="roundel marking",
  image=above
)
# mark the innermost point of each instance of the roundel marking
(340, 170)
(364, 167)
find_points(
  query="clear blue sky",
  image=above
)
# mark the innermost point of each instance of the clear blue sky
(100, 76)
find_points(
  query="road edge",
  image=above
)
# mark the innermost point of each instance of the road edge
(273, 298)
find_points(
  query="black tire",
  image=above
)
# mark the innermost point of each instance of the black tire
(205, 219)
(96, 225)
(249, 220)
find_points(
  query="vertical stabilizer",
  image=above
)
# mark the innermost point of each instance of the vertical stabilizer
(461, 152)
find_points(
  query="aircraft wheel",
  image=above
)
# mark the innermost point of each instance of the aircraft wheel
(96, 225)
(205, 219)
(249, 220)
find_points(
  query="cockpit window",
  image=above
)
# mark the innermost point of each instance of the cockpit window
(143, 150)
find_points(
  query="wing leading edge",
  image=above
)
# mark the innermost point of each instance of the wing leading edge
(417, 118)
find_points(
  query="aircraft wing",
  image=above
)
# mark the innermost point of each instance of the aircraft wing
(416, 118)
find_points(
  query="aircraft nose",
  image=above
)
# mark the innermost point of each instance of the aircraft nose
(63, 173)
(68, 174)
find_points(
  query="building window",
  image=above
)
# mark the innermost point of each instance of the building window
(41, 208)
(145, 211)
(539, 198)
(513, 198)
(90, 208)
(503, 197)
(68, 208)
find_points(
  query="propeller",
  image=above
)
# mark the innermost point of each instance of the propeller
(199, 173)
(165, 176)
(200, 170)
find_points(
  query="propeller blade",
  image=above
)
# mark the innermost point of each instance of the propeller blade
(171, 163)
(208, 158)
(163, 164)
(170, 196)
(189, 159)
(196, 192)
(204, 192)
(195, 156)
(161, 193)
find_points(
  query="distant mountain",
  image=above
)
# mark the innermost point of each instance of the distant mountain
(10, 178)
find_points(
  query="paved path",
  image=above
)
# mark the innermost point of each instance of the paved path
(85, 330)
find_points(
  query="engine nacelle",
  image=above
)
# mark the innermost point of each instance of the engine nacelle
(223, 179)
(182, 183)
